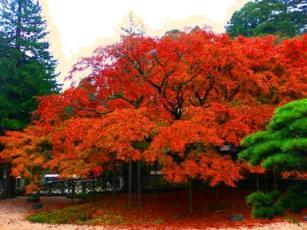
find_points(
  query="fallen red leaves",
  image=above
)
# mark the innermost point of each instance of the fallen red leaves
(212, 208)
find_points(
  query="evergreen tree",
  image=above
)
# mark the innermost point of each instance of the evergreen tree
(23, 27)
(280, 148)
(285, 18)
(26, 66)
(283, 145)
(298, 13)
(19, 84)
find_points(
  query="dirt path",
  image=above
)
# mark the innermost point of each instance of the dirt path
(14, 211)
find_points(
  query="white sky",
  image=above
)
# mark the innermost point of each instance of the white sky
(78, 26)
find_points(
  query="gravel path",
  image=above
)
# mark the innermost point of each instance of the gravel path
(14, 211)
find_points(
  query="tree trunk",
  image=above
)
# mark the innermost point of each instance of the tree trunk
(129, 182)
(19, 21)
(93, 188)
(266, 182)
(190, 197)
(9, 182)
(139, 183)
(275, 180)
(155, 180)
(73, 188)
(114, 180)
(257, 182)
(217, 204)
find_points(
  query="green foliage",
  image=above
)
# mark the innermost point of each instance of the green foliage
(33, 198)
(19, 84)
(26, 66)
(264, 204)
(25, 30)
(282, 160)
(141, 145)
(69, 110)
(287, 114)
(268, 205)
(285, 18)
(295, 199)
(283, 145)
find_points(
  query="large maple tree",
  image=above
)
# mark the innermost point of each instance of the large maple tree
(173, 100)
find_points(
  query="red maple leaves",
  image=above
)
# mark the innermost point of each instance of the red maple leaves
(174, 100)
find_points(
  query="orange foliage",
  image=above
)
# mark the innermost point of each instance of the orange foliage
(182, 96)
(82, 145)
(294, 174)
(28, 152)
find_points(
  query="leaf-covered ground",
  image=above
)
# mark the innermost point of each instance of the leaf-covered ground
(168, 209)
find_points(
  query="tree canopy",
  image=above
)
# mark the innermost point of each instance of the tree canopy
(285, 18)
(26, 66)
(174, 100)
(25, 30)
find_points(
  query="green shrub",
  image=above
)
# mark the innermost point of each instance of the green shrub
(268, 205)
(264, 205)
(295, 199)
(33, 198)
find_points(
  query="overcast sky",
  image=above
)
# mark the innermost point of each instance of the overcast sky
(78, 26)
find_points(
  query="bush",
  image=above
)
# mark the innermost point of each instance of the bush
(264, 205)
(33, 198)
(268, 205)
(295, 199)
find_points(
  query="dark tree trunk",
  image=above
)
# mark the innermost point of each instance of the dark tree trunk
(190, 196)
(114, 179)
(19, 24)
(257, 182)
(275, 180)
(8, 182)
(93, 188)
(139, 183)
(217, 204)
(156, 180)
(129, 182)
(266, 183)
